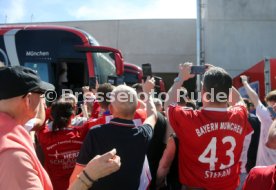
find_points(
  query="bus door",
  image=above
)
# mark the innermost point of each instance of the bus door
(71, 75)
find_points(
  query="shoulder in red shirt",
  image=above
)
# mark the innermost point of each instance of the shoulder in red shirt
(260, 178)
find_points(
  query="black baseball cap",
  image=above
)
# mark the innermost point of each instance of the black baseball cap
(18, 80)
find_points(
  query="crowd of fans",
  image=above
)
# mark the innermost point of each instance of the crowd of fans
(136, 142)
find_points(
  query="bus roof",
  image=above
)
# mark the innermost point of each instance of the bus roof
(81, 33)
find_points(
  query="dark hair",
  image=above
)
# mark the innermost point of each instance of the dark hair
(139, 89)
(271, 96)
(102, 92)
(183, 97)
(191, 104)
(247, 102)
(217, 80)
(61, 112)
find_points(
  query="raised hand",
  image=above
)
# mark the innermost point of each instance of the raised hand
(101, 166)
(148, 86)
(185, 71)
(244, 78)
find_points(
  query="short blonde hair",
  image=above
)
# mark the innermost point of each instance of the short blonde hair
(69, 97)
(271, 96)
(126, 105)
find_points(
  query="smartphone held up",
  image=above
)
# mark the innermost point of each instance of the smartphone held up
(92, 83)
(198, 70)
(147, 71)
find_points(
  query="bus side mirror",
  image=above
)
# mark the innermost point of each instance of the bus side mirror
(119, 62)
(117, 56)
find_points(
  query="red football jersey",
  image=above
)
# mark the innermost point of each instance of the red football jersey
(61, 149)
(139, 117)
(95, 110)
(260, 178)
(210, 145)
(99, 121)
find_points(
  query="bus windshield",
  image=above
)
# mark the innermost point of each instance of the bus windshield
(130, 78)
(104, 66)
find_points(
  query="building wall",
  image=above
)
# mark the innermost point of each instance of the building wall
(239, 33)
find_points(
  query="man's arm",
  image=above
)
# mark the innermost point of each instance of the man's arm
(165, 162)
(98, 167)
(40, 116)
(77, 170)
(271, 142)
(142, 104)
(148, 86)
(253, 96)
(184, 74)
(235, 97)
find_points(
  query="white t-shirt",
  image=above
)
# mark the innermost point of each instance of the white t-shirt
(245, 147)
(30, 124)
(78, 121)
(265, 156)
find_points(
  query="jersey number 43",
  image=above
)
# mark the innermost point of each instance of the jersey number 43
(211, 158)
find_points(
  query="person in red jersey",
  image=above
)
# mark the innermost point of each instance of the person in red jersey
(210, 139)
(260, 178)
(60, 143)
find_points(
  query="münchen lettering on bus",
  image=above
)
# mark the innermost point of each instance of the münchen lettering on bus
(37, 53)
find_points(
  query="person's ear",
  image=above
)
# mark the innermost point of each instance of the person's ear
(203, 95)
(27, 100)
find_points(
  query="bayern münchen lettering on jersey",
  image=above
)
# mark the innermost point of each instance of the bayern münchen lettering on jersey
(218, 126)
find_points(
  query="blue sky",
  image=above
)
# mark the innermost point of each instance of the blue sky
(18, 11)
